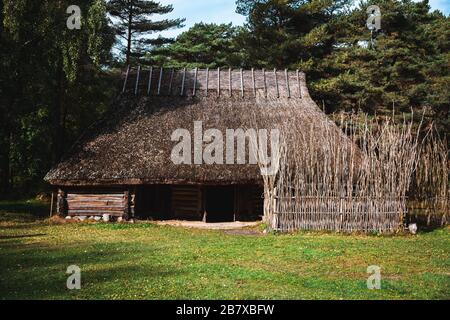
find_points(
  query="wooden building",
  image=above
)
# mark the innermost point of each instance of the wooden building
(122, 164)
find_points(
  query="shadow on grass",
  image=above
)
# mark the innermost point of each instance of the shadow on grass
(41, 274)
(23, 236)
(26, 210)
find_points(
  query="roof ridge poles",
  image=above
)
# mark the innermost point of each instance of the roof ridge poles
(218, 81)
(183, 81)
(230, 82)
(126, 79)
(194, 89)
(160, 80)
(207, 80)
(298, 83)
(253, 80)
(137, 81)
(149, 87)
(265, 84)
(276, 82)
(286, 72)
(242, 83)
(171, 81)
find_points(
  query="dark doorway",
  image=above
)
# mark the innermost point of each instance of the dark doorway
(153, 202)
(219, 204)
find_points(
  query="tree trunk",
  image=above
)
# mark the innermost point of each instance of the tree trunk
(59, 116)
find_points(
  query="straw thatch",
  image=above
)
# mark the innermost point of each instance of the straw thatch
(132, 144)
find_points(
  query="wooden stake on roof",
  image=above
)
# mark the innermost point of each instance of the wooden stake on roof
(287, 82)
(298, 83)
(242, 83)
(218, 82)
(230, 82)
(265, 85)
(276, 82)
(137, 80)
(126, 79)
(183, 81)
(160, 80)
(150, 81)
(253, 80)
(195, 82)
(207, 80)
(171, 81)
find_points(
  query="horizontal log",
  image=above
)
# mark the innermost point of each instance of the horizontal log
(93, 212)
(96, 208)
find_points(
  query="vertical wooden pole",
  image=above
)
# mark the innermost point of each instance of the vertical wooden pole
(207, 80)
(276, 82)
(149, 87)
(171, 81)
(183, 82)
(298, 83)
(160, 80)
(253, 80)
(126, 79)
(137, 81)
(218, 82)
(265, 85)
(287, 82)
(242, 83)
(194, 90)
(51, 205)
(230, 84)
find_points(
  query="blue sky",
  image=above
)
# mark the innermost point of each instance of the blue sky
(223, 11)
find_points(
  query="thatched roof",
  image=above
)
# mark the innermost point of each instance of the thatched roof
(132, 144)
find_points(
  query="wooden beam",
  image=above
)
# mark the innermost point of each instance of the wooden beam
(137, 81)
(286, 72)
(126, 79)
(195, 82)
(183, 82)
(149, 87)
(160, 80)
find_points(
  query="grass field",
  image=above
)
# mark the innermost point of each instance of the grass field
(144, 261)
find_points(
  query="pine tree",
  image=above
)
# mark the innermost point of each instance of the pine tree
(203, 45)
(133, 24)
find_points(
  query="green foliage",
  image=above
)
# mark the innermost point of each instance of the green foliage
(133, 25)
(51, 84)
(203, 45)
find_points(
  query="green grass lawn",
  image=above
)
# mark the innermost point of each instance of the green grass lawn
(144, 261)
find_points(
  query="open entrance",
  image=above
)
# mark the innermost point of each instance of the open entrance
(220, 204)
(199, 203)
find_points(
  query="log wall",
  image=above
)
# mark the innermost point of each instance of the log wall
(97, 204)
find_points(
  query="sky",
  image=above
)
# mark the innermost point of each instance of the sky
(224, 11)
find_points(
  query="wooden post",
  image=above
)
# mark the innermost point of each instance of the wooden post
(150, 81)
(195, 82)
(218, 82)
(126, 79)
(171, 80)
(51, 205)
(160, 80)
(253, 80)
(242, 83)
(265, 85)
(61, 205)
(183, 81)
(298, 83)
(230, 82)
(137, 81)
(287, 82)
(276, 82)
(126, 205)
(207, 80)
